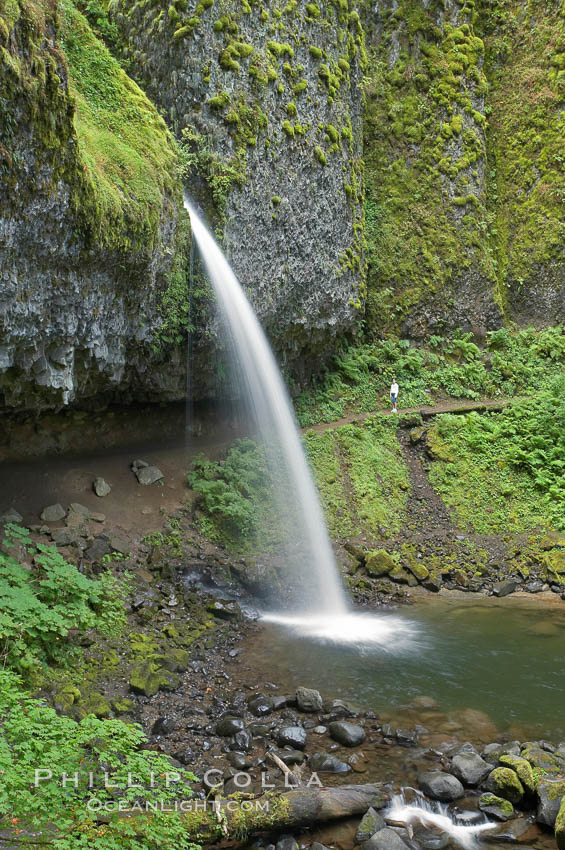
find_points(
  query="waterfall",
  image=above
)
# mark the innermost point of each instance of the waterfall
(431, 814)
(308, 551)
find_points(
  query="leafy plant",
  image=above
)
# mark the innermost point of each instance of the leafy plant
(71, 815)
(41, 602)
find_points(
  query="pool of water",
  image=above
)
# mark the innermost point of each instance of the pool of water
(491, 666)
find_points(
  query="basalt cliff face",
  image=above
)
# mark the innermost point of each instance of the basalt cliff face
(89, 216)
(400, 163)
(268, 97)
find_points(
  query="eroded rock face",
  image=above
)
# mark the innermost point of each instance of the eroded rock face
(83, 258)
(270, 98)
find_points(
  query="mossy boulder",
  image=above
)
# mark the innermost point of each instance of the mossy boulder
(94, 703)
(149, 678)
(554, 563)
(417, 434)
(496, 807)
(175, 660)
(551, 793)
(402, 576)
(123, 706)
(418, 570)
(504, 782)
(66, 697)
(560, 826)
(523, 769)
(379, 563)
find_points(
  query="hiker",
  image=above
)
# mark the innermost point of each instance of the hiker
(394, 395)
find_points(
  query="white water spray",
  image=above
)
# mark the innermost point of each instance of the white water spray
(435, 815)
(310, 547)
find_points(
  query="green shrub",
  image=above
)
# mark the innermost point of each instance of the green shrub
(33, 736)
(40, 603)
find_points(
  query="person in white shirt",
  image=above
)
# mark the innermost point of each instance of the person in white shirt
(394, 395)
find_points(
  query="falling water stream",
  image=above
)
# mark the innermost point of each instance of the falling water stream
(320, 608)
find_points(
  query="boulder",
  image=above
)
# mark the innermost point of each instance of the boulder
(260, 705)
(440, 786)
(308, 699)
(379, 563)
(505, 588)
(224, 610)
(326, 763)
(292, 736)
(148, 678)
(504, 782)
(370, 823)
(522, 768)
(145, 473)
(347, 734)
(99, 548)
(101, 487)
(560, 826)
(470, 768)
(228, 726)
(551, 791)
(385, 839)
(291, 756)
(53, 513)
(496, 807)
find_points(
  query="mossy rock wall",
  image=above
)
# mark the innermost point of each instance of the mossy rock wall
(270, 96)
(463, 138)
(89, 216)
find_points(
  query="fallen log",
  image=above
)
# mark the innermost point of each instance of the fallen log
(211, 821)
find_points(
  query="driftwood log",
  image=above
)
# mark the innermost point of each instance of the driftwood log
(302, 806)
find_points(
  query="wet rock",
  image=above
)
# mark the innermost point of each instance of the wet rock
(224, 610)
(317, 846)
(241, 741)
(436, 843)
(337, 708)
(326, 763)
(239, 761)
(291, 756)
(53, 513)
(551, 792)
(534, 586)
(11, 515)
(292, 736)
(440, 786)
(470, 768)
(504, 782)
(496, 807)
(505, 588)
(371, 822)
(385, 839)
(286, 842)
(260, 730)
(347, 734)
(260, 705)
(406, 737)
(228, 726)
(164, 725)
(516, 831)
(522, 768)
(320, 730)
(101, 487)
(185, 755)
(308, 700)
(279, 702)
(560, 826)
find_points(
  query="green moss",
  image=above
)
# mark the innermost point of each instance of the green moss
(300, 87)
(219, 101)
(291, 108)
(315, 51)
(288, 128)
(130, 160)
(279, 50)
(313, 10)
(320, 155)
